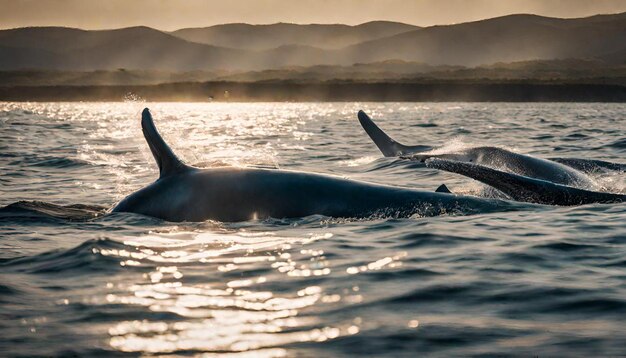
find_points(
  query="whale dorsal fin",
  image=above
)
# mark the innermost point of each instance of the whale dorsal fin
(386, 144)
(167, 161)
(443, 189)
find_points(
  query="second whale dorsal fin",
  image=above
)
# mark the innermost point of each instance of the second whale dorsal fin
(443, 189)
(167, 161)
(387, 145)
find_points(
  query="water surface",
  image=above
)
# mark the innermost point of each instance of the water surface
(534, 282)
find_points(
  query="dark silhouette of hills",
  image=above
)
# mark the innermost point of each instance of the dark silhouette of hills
(135, 47)
(503, 39)
(265, 37)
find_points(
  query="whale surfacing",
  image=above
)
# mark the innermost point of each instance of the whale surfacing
(522, 188)
(521, 177)
(493, 157)
(185, 193)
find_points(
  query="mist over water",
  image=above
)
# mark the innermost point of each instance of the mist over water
(535, 282)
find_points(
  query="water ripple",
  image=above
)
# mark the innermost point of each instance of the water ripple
(76, 281)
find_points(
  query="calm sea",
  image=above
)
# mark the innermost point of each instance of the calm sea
(549, 282)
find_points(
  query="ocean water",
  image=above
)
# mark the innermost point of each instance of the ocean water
(547, 281)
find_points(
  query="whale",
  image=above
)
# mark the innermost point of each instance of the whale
(570, 172)
(520, 177)
(230, 194)
(526, 189)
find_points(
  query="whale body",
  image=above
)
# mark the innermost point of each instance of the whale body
(520, 164)
(490, 156)
(185, 193)
(559, 181)
(523, 188)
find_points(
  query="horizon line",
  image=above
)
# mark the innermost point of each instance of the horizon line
(306, 24)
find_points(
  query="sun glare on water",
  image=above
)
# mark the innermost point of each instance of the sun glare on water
(231, 316)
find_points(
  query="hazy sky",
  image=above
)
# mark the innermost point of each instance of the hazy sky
(174, 14)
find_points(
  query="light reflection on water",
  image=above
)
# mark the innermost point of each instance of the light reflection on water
(235, 315)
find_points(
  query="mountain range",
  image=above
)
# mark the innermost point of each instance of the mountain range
(267, 37)
(243, 47)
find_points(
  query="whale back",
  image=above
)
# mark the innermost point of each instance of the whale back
(523, 188)
(387, 145)
(590, 165)
(167, 161)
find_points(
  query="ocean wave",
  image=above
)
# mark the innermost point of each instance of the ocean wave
(56, 162)
(620, 143)
(80, 260)
(42, 210)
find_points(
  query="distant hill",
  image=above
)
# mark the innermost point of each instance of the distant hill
(504, 39)
(265, 37)
(135, 47)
